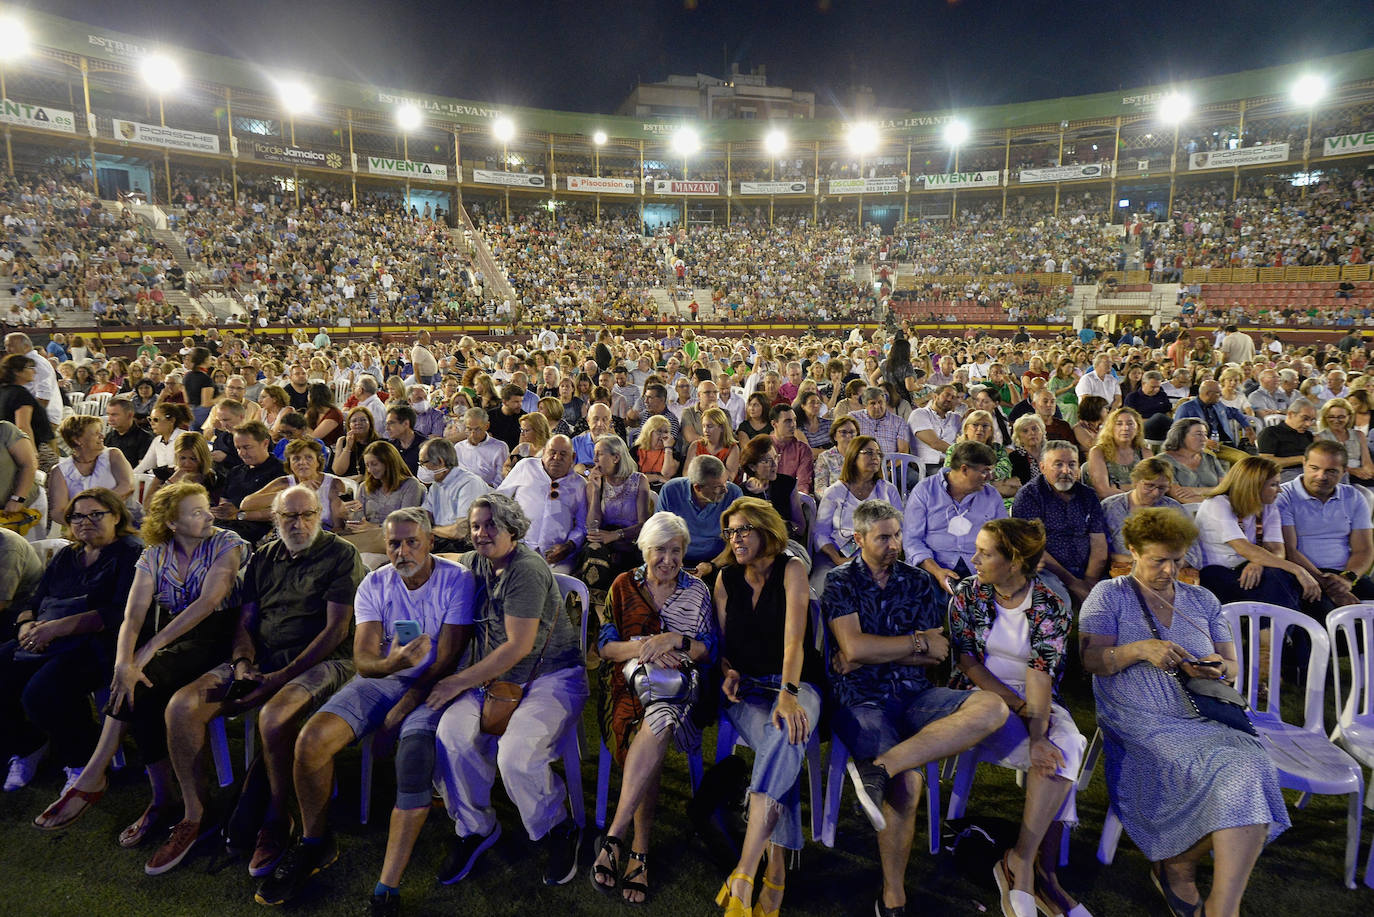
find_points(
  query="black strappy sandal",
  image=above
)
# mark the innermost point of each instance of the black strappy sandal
(628, 883)
(611, 846)
(1177, 906)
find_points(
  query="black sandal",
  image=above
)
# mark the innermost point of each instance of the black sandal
(611, 846)
(628, 883)
(1177, 906)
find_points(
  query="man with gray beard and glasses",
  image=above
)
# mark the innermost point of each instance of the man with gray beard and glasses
(1075, 529)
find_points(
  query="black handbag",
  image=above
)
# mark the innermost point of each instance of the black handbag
(1209, 697)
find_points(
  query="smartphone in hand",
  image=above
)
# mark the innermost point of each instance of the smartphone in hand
(407, 631)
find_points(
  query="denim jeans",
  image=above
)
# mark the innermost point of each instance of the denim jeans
(777, 762)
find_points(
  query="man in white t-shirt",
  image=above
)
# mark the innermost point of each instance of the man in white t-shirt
(935, 427)
(435, 597)
(1100, 382)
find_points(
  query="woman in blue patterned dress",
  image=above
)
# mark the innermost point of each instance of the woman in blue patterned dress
(1182, 784)
(1009, 633)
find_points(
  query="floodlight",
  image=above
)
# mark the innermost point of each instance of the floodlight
(862, 137)
(686, 142)
(956, 132)
(161, 73)
(503, 129)
(775, 142)
(599, 138)
(1309, 89)
(408, 118)
(295, 97)
(1174, 107)
(14, 39)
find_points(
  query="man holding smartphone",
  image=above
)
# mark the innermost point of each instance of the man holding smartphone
(289, 655)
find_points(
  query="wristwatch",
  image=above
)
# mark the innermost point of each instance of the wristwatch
(241, 516)
(18, 499)
(1350, 575)
(685, 644)
(792, 688)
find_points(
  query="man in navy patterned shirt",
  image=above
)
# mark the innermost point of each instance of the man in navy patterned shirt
(886, 618)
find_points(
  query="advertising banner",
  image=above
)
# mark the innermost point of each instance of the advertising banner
(1243, 156)
(407, 168)
(514, 179)
(22, 114)
(987, 179)
(1348, 143)
(772, 187)
(1067, 173)
(170, 137)
(286, 154)
(662, 186)
(865, 185)
(601, 185)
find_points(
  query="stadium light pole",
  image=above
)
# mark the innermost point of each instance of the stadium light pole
(503, 129)
(14, 44)
(775, 142)
(685, 143)
(863, 139)
(1173, 109)
(956, 132)
(408, 118)
(161, 74)
(1308, 92)
(296, 99)
(598, 141)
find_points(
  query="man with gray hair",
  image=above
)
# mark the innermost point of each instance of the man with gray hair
(451, 491)
(429, 421)
(365, 390)
(1286, 443)
(1075, 528)
(698, 500)
(887, 620)
(1269, 399)
(554, 497)
(289, 656)
(875, 420)
(413, 618)
(481, 453)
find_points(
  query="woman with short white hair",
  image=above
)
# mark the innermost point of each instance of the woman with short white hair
(659, 628)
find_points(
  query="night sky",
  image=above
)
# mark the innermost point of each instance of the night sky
(586, 56)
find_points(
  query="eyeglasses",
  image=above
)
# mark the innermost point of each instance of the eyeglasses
(871, 453)
(739, 531)
(93, 518)
(289, 518)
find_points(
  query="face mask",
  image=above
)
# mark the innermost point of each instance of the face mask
(425, 475)
(420, 406)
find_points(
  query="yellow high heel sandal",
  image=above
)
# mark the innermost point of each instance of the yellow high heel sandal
(758, 908)
(734, 907)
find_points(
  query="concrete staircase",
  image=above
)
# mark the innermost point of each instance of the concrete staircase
(187, 307)
(496, 280)
(667, 306)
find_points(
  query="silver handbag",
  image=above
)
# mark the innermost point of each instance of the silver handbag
(651, 682)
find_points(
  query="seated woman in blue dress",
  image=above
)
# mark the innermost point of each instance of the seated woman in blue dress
(1182, 784)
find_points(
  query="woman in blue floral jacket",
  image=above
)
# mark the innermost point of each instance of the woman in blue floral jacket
(1009, 634)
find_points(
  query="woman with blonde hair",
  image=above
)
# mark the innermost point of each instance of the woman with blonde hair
(534, 436)
(980, 427)
(717, 439)
(91, 464)
(1120, 445)
(653, 451)
(1335, 423)
(617, 505)
(193, 465)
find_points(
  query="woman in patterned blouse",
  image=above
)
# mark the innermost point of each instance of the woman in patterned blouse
(1009, 634)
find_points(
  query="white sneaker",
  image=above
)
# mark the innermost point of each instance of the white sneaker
(22, 769)
(73, 775)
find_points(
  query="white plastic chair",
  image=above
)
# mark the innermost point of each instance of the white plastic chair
(902, 471)
(47, 548)
(1305, 758)
(571, 746)
(1354, 730)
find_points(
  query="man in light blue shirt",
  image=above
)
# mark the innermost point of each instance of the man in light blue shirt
(699, 499)
(945, 511)
(451, 492)
(1326, 529)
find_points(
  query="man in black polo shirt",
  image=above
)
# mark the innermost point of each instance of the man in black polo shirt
(400, 431)
(1287, 442)
(253, 443)
(1152, 403)
(125, 435)
(290, 654)
(505, 420)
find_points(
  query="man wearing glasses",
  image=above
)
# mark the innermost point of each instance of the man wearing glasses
(451, 492)
(699, 499)
(945, 512)
(554, 497)
(290, 655)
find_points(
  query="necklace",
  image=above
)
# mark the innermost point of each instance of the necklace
(1007, 597)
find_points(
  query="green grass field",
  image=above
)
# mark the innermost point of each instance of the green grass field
(83, 871)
